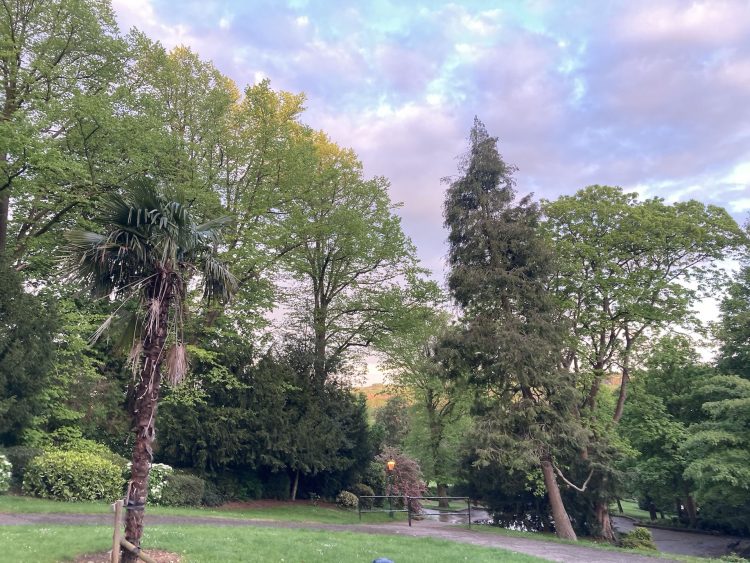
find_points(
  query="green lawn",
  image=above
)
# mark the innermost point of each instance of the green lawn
(206, 544)
(300, 512)
(630, 508)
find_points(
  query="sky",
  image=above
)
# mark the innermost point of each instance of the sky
(649, 95)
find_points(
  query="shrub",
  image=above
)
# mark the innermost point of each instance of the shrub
(245, 485)
(6, 474)
(71, 440)
(211, 495)
(639, 538)
(73, 476)
(362, 490)
(407, 476)
(347, 500)
(19, 457)
(182, 489)
(157, 480)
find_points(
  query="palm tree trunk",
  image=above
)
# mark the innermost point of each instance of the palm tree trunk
(146, 399)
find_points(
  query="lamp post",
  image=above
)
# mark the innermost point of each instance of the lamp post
(389, 466)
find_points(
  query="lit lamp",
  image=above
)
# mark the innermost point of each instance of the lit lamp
(389, 466)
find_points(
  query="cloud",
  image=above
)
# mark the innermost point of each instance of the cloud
(649, 96)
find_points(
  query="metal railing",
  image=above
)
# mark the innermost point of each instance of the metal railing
(408, 506)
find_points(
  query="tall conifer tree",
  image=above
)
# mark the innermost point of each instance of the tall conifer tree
(513, 333)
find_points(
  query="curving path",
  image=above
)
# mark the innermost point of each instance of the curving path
(548, 550)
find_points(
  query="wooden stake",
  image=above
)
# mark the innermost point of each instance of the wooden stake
(117, 507)
(133, 549)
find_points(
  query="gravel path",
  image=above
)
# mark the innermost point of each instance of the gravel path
(544, 549)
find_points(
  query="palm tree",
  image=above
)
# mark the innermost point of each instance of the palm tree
(150, 248)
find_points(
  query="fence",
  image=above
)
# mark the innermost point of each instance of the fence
(407, 502)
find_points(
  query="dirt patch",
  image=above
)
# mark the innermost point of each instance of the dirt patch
(259, 504)
(104, 557)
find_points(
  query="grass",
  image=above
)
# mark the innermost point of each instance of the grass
(207, 544)
(630, 508)
(302, 512)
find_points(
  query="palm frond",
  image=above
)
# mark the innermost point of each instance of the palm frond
(218, 281)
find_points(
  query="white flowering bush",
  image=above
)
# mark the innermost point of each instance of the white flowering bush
(6, 470)
(157, 479)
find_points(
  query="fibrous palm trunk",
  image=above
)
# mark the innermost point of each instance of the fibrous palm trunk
(144, 418)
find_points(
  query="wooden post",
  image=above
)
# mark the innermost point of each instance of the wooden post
(408, 508)
(468, 503)
(117, 507)
(133, 549)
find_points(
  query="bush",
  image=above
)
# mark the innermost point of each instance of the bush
(347, 500)
(211, 495)
(639, 538)
(19, 457)
(71, 440)
(6, 474)
(362, 490)
(73, 476)
(157, 480)
(239, 486)
(182, 489)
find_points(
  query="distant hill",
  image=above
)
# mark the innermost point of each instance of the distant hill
(376, 395)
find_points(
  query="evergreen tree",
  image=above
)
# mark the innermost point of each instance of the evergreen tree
(513, 333)
(26, 332)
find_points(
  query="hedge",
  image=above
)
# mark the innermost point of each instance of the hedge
(73, 476)
(182, 489)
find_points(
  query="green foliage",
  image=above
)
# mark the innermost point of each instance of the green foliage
(6, 474)
(211, 495)
(19, 457)
(718, 452)
(182, 489)
(733, 329)
(639, 538)
(512, 334)
(268, 417)
(357, 271)
(277, 486)
(347, 500)
(73, 476)
(394, 418)
(362, 490)
(26, 333)
(158, 476)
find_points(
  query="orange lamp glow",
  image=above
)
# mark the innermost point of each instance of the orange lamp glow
(390, 464)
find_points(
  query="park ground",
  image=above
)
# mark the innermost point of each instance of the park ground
(33, 530)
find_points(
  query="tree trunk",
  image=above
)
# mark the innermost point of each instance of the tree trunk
(294, 486)
(691, 509)
(563, 527)
(619, 506)
(629, 340)
(442, 491)
(146, 399)
(606, 531)
(4, 217)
